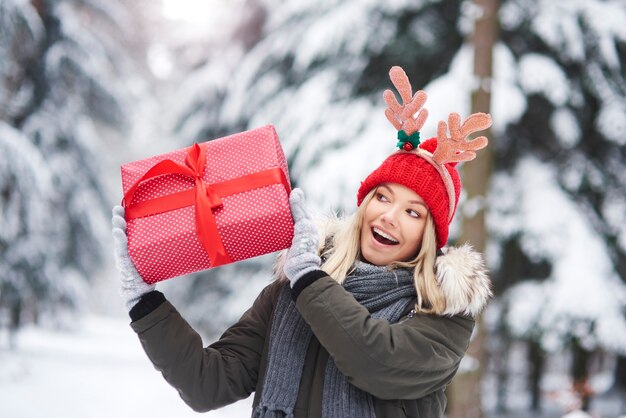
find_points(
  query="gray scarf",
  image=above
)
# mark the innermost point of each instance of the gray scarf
(386, 295)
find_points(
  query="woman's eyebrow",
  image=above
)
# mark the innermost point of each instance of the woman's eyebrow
(417, 202)
(387, 188)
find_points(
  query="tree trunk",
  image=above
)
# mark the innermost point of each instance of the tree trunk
(620, 379)
(536, 362)
(15, 322)
(500, 364)
(580, 375)
(465, 391)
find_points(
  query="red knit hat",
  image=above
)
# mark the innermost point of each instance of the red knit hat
(428, 169)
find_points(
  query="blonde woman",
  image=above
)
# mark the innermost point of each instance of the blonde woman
(368, 317)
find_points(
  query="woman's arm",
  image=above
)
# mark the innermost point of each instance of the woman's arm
(215, 376)
(407, 360)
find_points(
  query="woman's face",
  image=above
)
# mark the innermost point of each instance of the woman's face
(393, 225)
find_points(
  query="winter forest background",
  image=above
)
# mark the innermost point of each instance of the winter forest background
(86, 85)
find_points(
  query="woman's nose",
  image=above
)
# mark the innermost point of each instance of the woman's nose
(390, 217)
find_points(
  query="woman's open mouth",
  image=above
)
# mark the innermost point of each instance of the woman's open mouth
(383, 237)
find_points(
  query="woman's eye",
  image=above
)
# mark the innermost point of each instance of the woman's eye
(382, 197)
(413, 213)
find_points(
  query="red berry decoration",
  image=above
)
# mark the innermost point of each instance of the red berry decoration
(407, 146)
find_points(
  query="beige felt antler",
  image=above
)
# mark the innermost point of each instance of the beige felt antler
(457, 148)
(403, 117)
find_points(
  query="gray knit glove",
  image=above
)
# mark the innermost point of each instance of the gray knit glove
(302, 257)
(132, 287)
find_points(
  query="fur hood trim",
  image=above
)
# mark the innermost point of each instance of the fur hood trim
(464, 281)
(279, 266)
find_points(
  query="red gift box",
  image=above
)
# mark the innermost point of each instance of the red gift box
(211, 204)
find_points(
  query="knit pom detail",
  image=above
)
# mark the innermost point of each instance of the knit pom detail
(429, 145)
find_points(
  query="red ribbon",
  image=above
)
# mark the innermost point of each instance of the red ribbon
(206, 197)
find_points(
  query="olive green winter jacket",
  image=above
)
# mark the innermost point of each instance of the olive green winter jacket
(405, 366)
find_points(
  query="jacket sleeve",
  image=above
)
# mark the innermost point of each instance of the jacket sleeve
(215, 376)
(405, 360)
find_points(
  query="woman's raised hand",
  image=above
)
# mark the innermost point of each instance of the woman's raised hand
(303, 256)
(133, 286)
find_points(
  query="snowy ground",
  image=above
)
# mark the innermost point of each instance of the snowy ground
(96, 371)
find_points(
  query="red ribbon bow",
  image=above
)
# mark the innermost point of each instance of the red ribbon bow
(205, 197)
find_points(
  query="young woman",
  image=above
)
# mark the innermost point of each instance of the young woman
(371, 320)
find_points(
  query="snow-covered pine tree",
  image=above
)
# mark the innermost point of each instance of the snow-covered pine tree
(67, 85)
(330, 58)
(559, 202)
(24, 180)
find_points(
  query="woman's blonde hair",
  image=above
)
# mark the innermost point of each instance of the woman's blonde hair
(342, 249)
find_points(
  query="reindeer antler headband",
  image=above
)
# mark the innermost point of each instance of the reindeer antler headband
(410, 117)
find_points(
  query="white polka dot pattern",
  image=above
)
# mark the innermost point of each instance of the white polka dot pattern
(250, 224)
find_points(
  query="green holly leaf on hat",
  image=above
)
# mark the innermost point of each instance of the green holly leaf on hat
(408, 142)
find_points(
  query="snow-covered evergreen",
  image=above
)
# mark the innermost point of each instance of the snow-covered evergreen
(560, 196)
(583, 297)
(67, 88)
(317, 74)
